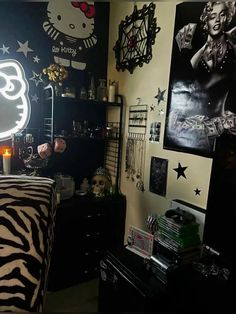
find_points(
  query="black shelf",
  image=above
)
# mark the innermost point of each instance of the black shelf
(92, 102)
(59, 114)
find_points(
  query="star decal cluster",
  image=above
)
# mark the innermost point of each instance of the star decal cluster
(159, 97)
(25, 49)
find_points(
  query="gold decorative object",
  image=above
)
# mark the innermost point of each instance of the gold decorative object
(56, 73)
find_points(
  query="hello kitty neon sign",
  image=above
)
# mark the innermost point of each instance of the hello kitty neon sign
(15, 106)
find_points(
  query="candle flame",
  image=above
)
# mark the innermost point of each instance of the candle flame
(7, 152)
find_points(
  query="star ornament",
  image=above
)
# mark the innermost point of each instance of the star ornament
(180, 171)
(5, 49)
(152, 107)
(36, 59)
(197, 191)
(24, 48)
(161, 112)
(37, 78)
(160, 95)
(34, 98)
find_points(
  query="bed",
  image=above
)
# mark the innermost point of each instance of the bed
(27, 219)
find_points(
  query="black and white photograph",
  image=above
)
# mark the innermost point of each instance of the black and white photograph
(155, 129)
(158, 175)
(202, 94)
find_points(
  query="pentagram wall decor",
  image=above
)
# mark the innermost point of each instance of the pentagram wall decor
(137, 34)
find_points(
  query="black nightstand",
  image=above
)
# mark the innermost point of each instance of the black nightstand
(85, 227)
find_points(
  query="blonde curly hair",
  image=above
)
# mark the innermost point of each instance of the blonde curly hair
(230, 12)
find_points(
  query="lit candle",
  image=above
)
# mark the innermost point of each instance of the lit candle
(6, 158)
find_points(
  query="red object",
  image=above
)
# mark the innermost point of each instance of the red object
(88, 9)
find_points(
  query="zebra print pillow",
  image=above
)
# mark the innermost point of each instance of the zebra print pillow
(27, 212)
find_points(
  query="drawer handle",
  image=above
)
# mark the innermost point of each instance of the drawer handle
(103, 264)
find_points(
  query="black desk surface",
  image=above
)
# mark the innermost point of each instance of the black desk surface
(187, 289)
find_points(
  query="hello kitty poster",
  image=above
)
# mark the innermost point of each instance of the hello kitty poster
(70, 25)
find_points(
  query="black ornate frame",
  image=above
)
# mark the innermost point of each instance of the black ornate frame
(137, 34)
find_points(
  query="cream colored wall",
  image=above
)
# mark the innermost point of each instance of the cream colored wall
(144, 83)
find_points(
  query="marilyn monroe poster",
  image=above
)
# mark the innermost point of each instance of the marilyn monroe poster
(202, 89)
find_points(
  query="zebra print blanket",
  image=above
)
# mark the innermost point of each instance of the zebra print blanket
(27, 211)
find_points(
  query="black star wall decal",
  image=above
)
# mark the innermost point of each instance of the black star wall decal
(160, 95)
(152, 107)
(180, 171)
(197, 191)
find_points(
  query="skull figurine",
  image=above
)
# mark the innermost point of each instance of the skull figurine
(101, 183)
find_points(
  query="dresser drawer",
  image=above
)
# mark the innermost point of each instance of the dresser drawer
(91, 239)
(90, 257)
(89, 273)
(92, 220)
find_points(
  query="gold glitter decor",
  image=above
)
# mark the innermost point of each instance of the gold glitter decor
(56, 73)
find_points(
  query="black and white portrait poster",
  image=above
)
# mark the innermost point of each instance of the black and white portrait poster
(158, 175)
(202, 88)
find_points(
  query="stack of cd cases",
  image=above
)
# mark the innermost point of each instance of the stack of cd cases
(178, 240)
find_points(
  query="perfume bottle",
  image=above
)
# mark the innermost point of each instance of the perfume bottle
(91, 90)
(101, 90)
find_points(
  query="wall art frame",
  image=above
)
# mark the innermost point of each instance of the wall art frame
(137, 33)
(158, 175)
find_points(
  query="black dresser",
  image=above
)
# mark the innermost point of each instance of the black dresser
(125, 285)
(86, 226)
